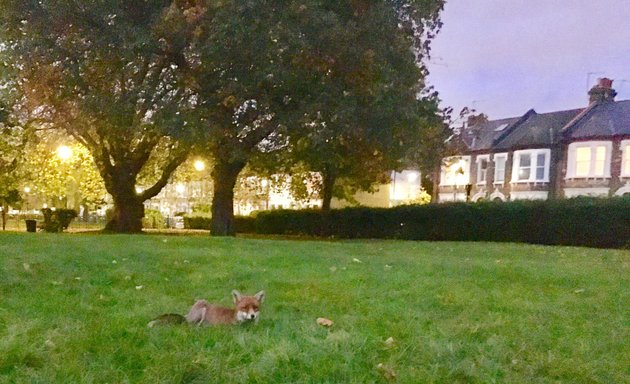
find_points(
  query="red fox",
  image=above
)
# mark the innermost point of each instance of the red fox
(247, 308)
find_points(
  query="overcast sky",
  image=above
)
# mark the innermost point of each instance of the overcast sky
(506, 56)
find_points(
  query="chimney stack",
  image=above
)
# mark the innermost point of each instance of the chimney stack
(602, 91)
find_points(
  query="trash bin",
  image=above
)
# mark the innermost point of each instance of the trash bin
(31, 225)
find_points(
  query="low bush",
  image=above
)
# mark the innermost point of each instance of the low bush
(57, 220)
(153, 219)
(582, 222)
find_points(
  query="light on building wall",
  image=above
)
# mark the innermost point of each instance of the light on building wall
(412, 176)
(139, 190)
(180, 188)
(264, 183)
(27, 190)
(64, 152)
(200, 165)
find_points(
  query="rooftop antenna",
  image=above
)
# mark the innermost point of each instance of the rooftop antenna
(588, 78)
(621, 83)
(474, 102)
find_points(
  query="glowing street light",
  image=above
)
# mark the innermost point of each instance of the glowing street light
(64, 152)
(27, 190)
(200, 165)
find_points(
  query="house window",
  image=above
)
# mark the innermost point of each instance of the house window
(455, 170)
(625, 158)
(531, 165)
(482, 169)
(589, 159)
(500, 159)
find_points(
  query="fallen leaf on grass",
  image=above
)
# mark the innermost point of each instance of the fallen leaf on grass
(387, 267)
(333, 269)
(324, 322)
(579, 290)
(26, 266)
(139, 287)
(357, 260)
(390, 342)
(386, 371)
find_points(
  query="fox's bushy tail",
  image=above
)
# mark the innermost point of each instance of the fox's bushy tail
(167, 319)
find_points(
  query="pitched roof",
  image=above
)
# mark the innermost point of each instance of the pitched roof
(481, 136)
(600, 120)
(535, 130)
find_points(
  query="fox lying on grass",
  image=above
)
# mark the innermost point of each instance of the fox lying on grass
(247, 308)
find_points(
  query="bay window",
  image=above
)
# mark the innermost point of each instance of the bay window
(531, 165)
(589, 159)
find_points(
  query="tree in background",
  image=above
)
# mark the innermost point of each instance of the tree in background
(63, 174)
(369, 105)
(108, 73)
(271, 73)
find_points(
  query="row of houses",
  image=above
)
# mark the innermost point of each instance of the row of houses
(563, 154)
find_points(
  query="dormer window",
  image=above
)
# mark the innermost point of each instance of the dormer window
(589, 159)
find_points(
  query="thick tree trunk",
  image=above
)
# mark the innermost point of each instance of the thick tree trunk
(128, 206)
(224, 176)
(127, 217)
(328, 183)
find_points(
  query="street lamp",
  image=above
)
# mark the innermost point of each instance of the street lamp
(200, 165)
(64, 152)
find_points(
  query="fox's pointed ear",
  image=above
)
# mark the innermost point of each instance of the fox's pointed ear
(260, 296)
(237, 296)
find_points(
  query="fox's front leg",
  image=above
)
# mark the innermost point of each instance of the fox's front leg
(203, 316)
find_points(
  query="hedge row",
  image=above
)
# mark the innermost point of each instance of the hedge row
(582, 222)
(243, 224)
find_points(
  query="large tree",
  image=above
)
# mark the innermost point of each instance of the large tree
(107, 72)
(370, 107)
(271, 72)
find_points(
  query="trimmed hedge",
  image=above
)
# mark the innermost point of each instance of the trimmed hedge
(580, 221)
(243, 224)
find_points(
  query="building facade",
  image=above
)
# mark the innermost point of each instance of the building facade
(563, 154)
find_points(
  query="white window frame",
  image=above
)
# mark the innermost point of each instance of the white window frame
(516, 159)
(465, 178)
(478, 160)
(625, 158)
(503, 156)
(572, 159)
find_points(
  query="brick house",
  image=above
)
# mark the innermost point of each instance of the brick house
(563, 154)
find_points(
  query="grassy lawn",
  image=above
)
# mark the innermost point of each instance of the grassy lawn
(74, 309)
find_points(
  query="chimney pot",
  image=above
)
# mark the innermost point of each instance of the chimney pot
(604, 82)
(602, 92)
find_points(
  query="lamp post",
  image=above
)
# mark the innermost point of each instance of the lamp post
(27, 190)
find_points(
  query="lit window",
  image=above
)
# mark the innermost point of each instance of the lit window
(625, 162)
(583, 161)
(455, 170)
(589, 159)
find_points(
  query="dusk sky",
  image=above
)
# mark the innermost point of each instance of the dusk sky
(506, 56)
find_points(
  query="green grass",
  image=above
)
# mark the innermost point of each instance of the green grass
(70, 311)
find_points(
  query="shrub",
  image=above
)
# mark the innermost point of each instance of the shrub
(583, 222)
(57, 220)
(153, 219)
